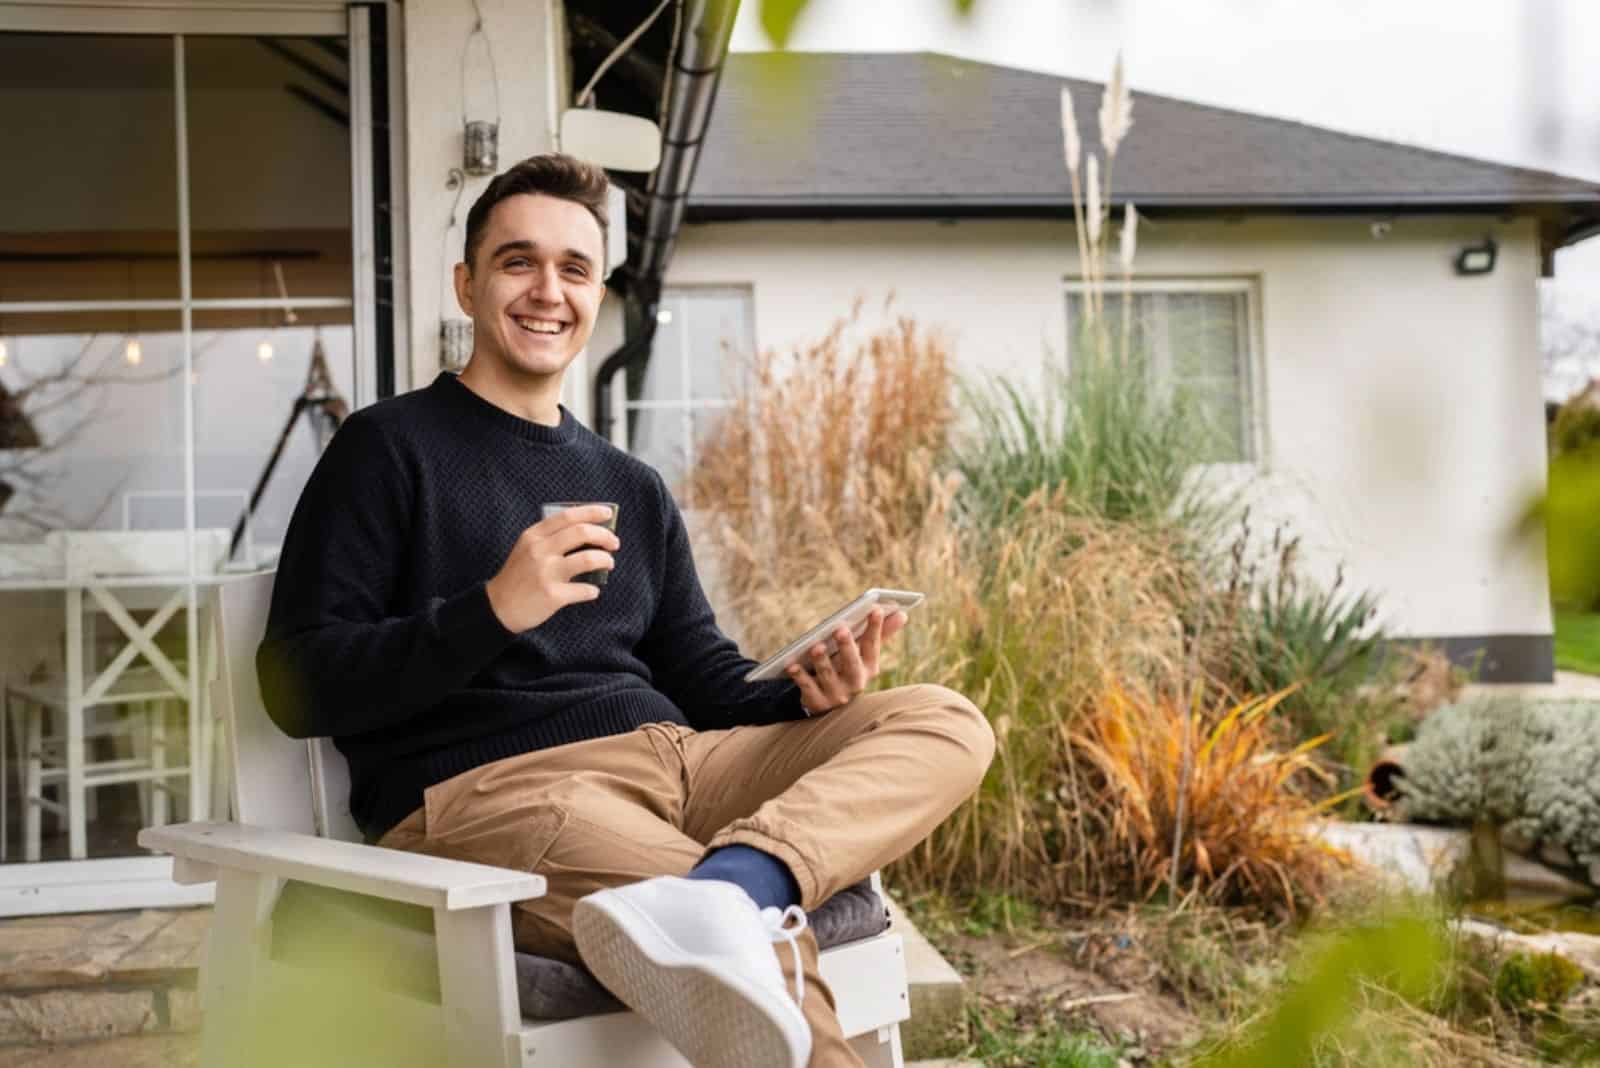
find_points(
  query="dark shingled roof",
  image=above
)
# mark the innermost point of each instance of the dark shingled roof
(922, 133)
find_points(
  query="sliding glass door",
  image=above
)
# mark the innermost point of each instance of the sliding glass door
(193, 279)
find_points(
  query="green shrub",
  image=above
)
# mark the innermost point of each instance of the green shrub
(1100, 434)
(1576, 426)
(1532, 981)
(1321, 642)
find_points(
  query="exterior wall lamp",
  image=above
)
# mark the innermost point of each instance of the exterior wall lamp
(1477, 259)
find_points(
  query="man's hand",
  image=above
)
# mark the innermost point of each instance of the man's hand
(830, 681)
(536, 580)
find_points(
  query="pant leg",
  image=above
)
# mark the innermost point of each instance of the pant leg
(838, 796)
(556, 813)
(586, 816)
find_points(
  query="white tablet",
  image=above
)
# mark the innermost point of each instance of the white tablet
(853, 615)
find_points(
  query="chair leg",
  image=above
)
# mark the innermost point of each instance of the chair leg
(880, 1048)
(73, 799)
(477, 984)
(32, 781)
(241, 930)
(158, 789)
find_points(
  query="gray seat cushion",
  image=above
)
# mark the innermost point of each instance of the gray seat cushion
(392, 944)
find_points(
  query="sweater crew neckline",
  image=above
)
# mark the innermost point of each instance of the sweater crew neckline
(450, 386)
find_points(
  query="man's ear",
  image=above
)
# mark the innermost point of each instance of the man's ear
(463, 284)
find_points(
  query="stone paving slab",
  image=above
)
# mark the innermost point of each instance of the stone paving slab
(148, 1051)
(178, 948)
(66, 1015)
(1567, 686)
(56, 951)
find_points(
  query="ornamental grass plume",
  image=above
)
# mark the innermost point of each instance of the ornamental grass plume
(1074, 154)
(1130, 241)
(1245, 833)
(1095, 221)
(1116, 110)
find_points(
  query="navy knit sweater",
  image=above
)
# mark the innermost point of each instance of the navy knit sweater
(381, 634)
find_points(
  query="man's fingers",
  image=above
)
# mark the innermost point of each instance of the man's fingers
(810, 695)
(828, 680)
(578, 535)
(588, 560)
(871, 642)
(848, 664)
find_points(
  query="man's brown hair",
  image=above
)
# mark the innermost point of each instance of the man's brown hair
(552, 174)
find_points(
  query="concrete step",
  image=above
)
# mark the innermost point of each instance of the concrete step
(143, 1051)
(938, 995)
(66, 979)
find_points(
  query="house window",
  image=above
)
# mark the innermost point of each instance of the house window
(702, 336)
(1194, 337)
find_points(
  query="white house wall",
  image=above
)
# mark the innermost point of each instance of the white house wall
(1400, 402)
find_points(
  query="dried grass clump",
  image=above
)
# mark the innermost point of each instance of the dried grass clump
(1199, 798)
(819, 467)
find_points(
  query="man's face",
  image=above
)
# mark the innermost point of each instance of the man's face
(535, 284)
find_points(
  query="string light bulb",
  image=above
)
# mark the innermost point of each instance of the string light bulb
(5, 352)
(264, 351)
(133, 352)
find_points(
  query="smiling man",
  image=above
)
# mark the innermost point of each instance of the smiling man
(495, 708)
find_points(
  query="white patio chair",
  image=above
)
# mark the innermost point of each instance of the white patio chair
(295, 830)
(116, 699)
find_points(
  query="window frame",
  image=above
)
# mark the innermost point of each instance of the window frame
(1254, 364)
(686, 404)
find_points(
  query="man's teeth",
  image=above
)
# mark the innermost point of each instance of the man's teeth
(541, 326)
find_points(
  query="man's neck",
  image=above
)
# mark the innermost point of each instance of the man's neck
(537, 400)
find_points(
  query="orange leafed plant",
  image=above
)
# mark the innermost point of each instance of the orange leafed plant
(1206, 789)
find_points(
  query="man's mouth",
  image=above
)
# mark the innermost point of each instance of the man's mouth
(540, 326)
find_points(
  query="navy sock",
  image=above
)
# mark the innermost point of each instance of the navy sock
(767, 880)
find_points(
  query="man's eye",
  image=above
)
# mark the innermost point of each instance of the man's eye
(517, 261)
(577, 271)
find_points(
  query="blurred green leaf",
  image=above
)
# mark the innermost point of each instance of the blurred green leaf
(1401, 953)
(778, 18)
(1571, 513)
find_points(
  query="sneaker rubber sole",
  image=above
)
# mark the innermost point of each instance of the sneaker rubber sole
(713, 1018)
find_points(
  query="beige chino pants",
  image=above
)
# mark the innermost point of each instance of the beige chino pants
(835, 797)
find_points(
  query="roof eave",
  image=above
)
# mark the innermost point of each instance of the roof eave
(704, 208)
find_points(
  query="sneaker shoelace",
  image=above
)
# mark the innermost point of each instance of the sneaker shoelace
(779, 924)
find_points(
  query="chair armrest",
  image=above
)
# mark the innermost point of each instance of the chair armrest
(362, 869)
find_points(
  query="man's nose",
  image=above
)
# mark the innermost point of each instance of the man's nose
(547, 285)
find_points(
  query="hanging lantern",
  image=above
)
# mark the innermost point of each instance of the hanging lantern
(480, 138)
(482, 155)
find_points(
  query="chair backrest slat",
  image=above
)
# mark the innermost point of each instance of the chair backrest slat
(330, 792)
(273, 781)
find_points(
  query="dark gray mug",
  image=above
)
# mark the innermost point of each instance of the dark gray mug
(550, 508)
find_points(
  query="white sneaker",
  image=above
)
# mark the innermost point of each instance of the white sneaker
(695, 958)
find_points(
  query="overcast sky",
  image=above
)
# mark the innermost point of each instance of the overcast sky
(1516, 81)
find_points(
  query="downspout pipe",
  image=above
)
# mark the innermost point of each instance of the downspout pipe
(639, 331)
(690, 89)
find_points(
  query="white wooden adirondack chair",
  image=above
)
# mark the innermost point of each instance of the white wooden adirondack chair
(294, 826)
